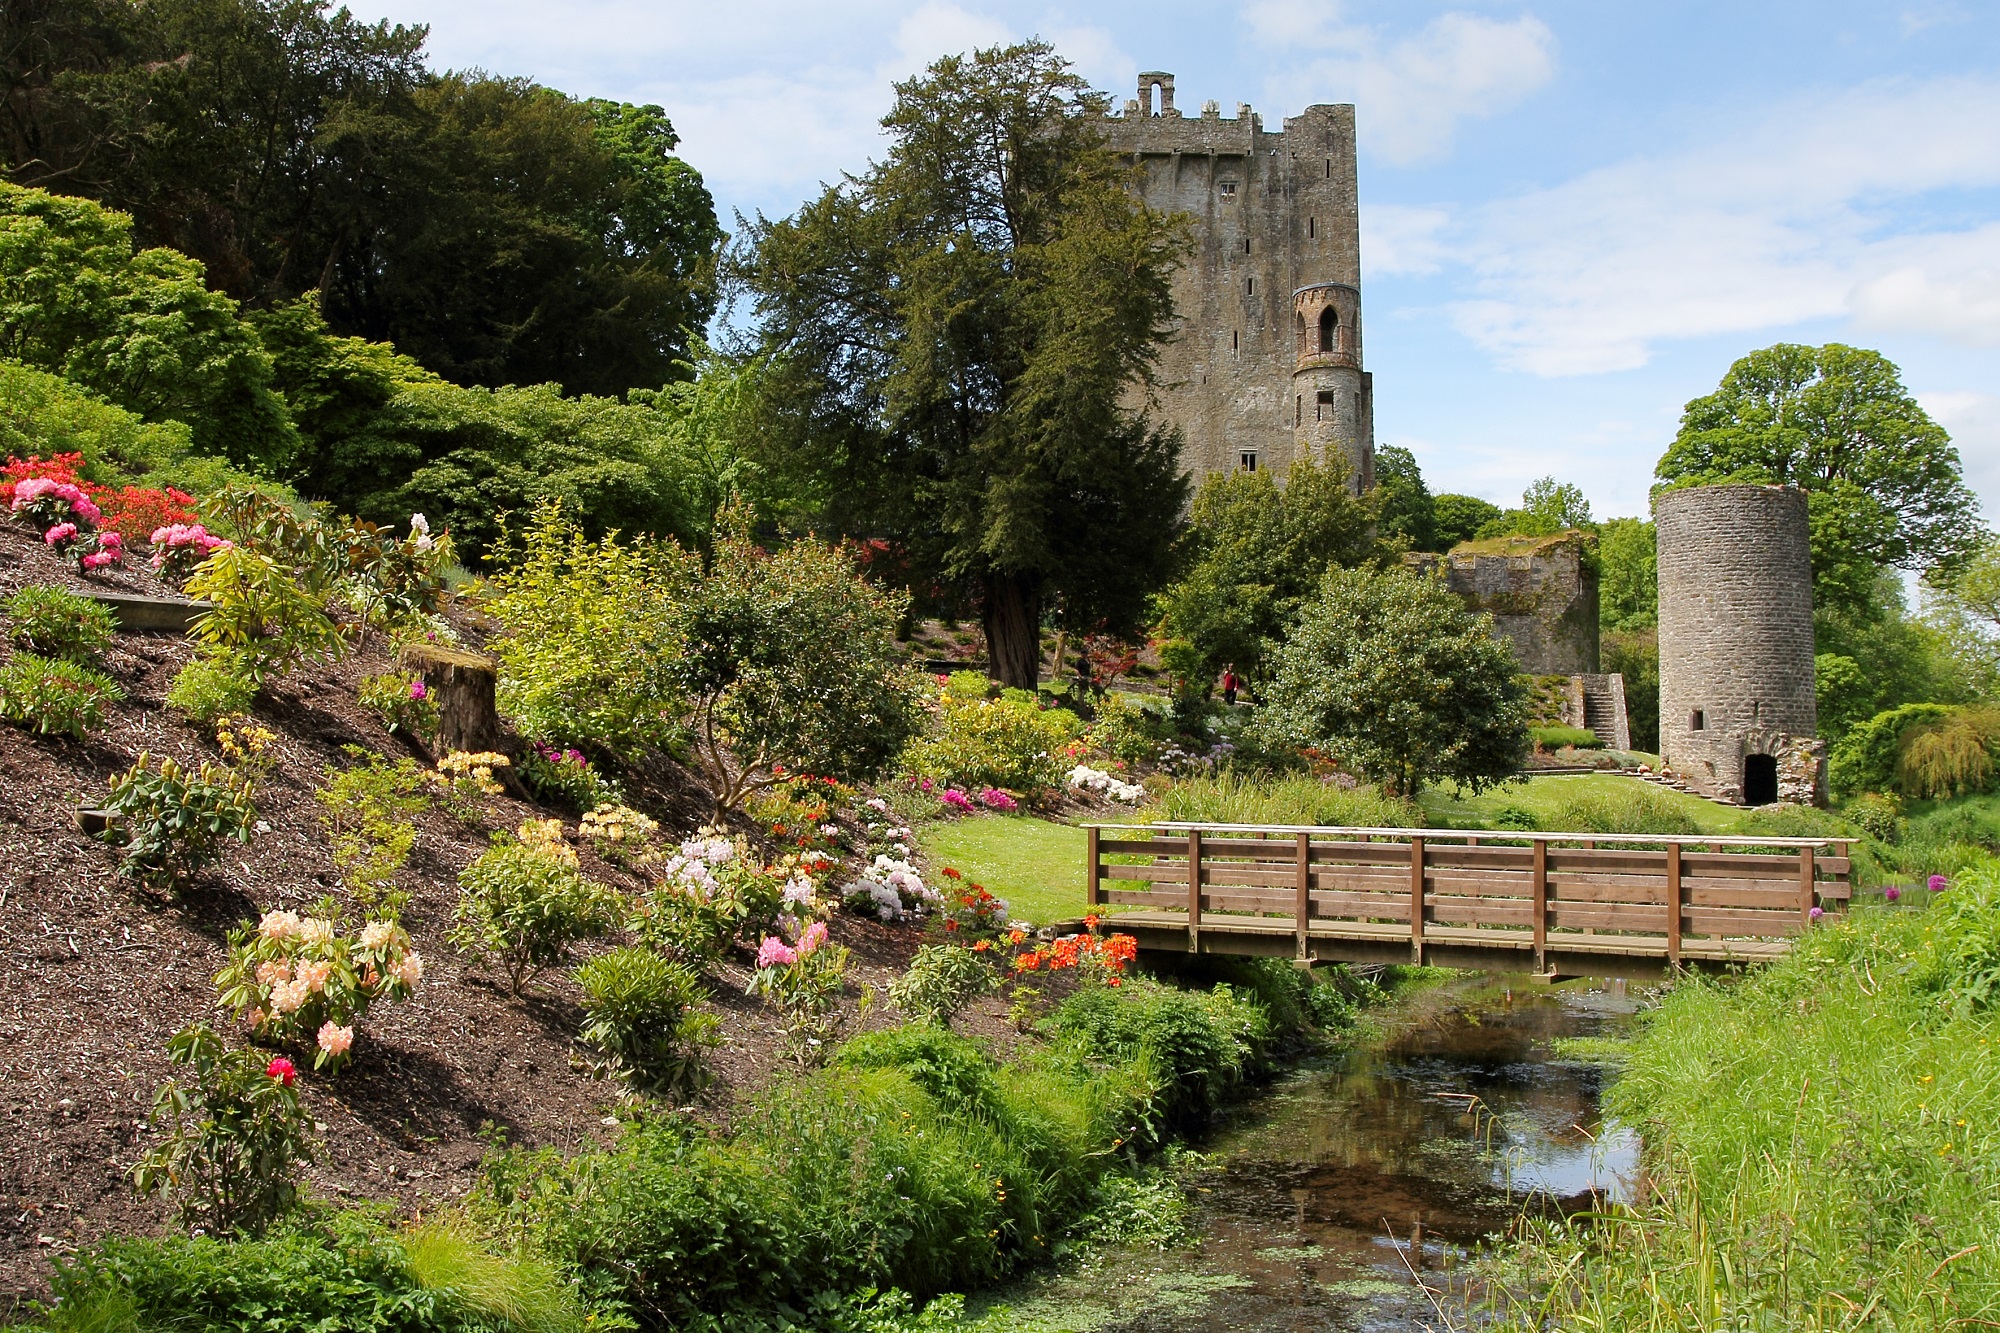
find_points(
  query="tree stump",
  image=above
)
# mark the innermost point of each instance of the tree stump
(462, 684)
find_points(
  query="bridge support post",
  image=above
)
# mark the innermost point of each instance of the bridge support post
(1673, 905)
(1302, 907)
(1194, 891)
(1539, 892)
(1417, 901)
(1806, 886)
(1093, 895)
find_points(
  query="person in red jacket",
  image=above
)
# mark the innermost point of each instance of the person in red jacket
(1231, 682)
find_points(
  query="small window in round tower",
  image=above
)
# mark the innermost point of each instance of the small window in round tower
(1329, 330)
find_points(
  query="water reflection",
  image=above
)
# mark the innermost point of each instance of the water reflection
(1349, 1194)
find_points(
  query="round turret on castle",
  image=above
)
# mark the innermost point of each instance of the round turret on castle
(1738, 715)
(1266, 365)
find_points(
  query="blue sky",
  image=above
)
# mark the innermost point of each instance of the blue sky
(1575, 215)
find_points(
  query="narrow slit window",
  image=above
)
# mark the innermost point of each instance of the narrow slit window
(1246, 247)
(1250, 286)
(1235, 343)
(1697, 722)
(1312, 225)
(1299, 410)
(1329, 168)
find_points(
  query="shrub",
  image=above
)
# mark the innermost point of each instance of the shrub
(171, 820)
(1559, 737)
(1127, 731)
(403, 702)
(370, 814)
(1009, 743)
(942, 979)
(712, 890)
(179, 549)
(563, 774)
(644, 1013)
(1951, 756)
(235, 1136)
(55, 697)
(1865, 759)
(211, 688)
(1632, 808)
(518, 1293)
(1517, 817)
(260, 620)
(138, 513)
(524, 902)
(803, 984)
(590, 631)
(57, 623)
(464, 780)
(302, 982)
(619, 833)
(1878, 814)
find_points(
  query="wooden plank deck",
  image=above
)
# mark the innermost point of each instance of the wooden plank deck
(1558, 904)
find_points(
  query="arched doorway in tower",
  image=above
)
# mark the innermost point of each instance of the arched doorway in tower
(1760, 779)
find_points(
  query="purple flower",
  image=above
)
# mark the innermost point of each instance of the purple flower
(1937, 883)
(1816, 913)
(419, 691)
(1892, 893)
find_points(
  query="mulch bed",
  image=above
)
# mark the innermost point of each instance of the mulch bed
(96, 975)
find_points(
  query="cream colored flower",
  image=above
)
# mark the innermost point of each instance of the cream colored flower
(377, 934)
(313, 976)
(278, 925)
(273, 970)
(288, 996)
(334, 1039)
(409, 969)
(316, 930)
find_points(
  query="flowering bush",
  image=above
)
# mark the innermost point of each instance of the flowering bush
(179, 549)
(54, 697)
(171, 820)
(995, 799)
(710, 891)
(803, 982)
(464, 780)
(58, 467)
(247, 748)
(954, 799)
(301, 981)
(1085, 778)
(1009, 742)
(644, 1013)
(1094, 958)
(524, 902)
(891, 887)
(235, 1136)
(136, 513)
(46, 504)
(58, 623)
(562, 773)
(971, 913)
(403, 702)
(619, 833)
(942, 979)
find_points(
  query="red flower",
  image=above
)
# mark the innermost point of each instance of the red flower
(282, 1070)
(949, 873)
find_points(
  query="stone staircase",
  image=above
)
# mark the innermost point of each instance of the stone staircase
(1603, 699)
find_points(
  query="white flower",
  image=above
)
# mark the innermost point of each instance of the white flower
(376, 934)
(420, 528)
(877, 803)
(316, 930)
(829, 830)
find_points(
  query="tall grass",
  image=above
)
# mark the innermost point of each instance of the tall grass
(1635, 808)
(1823, 1143)
(1230, 797)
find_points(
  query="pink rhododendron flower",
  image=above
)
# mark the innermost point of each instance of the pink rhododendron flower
(814, 937)
(282, 1070)
(418, 690)
(61, 532)
(334, 1039)
(995, 799)
(98, 559)
(774, 952)
(956, 799)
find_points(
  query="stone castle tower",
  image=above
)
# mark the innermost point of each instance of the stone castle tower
(1737, 708)
(1267, 364)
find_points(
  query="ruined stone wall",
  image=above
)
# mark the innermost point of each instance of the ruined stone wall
(1541, 593)
(1736, 637)
(1273, 213)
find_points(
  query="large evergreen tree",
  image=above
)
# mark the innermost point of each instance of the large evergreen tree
(966, 326)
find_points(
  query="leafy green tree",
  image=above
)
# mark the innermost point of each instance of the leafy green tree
(1408, 510)
(962, 329)
(499, 231)
(1965, 615)
(139, 328)
(1460, 517)
(1547, 507)
(1387, 672)
(790, 662)
(1628, 577)
(1635, 655)
(1257, 552)
(1884, 480)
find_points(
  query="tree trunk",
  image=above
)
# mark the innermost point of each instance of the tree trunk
(463, 685)
(1010, 608)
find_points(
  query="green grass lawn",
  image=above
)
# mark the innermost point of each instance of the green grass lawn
(1551, 798)
(1035, 865)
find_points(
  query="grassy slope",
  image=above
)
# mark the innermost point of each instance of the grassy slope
(1446, 807)
(1824, 1143)
(1035, 865)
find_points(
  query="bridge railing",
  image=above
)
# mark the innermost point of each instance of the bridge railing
(1536, 890)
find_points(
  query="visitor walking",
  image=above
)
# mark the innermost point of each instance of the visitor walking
(1230, 684)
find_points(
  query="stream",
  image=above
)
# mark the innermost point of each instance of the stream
(1336, 1188)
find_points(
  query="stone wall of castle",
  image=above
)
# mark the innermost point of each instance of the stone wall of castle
(1540, 591)
(1273, 213)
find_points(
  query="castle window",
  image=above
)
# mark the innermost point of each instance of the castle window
(1323, 405)
(1234, 344)
(1250, 286)
(1228, 188)
(1247, 460)
(1246, 247)
(1329, 330)
(1299, 410)
(1312, 225)
(1696, 721)
(1329, 168)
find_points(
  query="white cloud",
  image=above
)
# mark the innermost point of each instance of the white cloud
(1793, 220)
(1396, 238)
(1411, 92)
(1973, 418)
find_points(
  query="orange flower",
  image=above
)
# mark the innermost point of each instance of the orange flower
(981, 946)
(1015, 937)
(1091, 919)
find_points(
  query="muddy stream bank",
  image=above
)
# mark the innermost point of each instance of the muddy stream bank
(1347, 1195)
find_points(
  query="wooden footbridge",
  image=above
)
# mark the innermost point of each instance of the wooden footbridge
(1557, 904)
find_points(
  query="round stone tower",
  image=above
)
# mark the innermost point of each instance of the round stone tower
(1332, 418)
(1737, 713)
